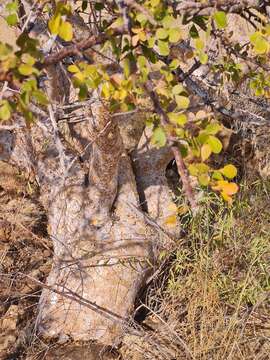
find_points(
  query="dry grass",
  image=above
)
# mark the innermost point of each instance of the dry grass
(217, 292)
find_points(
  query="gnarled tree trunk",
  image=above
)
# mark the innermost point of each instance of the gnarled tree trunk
(103, 244)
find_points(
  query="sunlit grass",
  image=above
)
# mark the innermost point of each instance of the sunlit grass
(218, 289)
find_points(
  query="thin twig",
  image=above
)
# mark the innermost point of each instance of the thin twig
(11, 127)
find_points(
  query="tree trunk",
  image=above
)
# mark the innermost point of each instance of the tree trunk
(103, 245)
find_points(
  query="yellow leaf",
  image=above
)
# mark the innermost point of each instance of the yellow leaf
(171, 220)
(73, 68)
(206, 151)
(142, 36)
(199, 44)
(229, 171)
(66, 31)
(230, 188)
(226, 187)
(204, 179)
(182, 101)
(25, 69)
(226, 197)
(54, 24)
(178, 118)
(174, 35)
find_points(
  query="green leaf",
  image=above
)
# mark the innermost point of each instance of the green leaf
(73, 68)
(117, 23)
(40, 97)
(193, 32)
(162, 34)
(217, 175)
(177, 89)
(28, 59)
(254, 37)
(261, 46)
(83, 92)
(12, 7)
(215, 144)
(198, 169)
(54, 24)
(203, 57)
(178, 118)
(204, 179)
(25, 69)
(98, 6)
(183, 149)
(163, 47)
(202, 168)
(220, 18)
(229, 171)
(12, 19)
(65, 31)
(141, 18)
(174, 35)
(151, 42)
(29, 85)
(142, 61)
(159, 137)
(193, 170)
(182, 101)
(126, 67)
(180, 132)
(168, 21)
(5, 112)
(105, 90)
(212, 129)
(199, 44)
(175, 64)
(155, 3)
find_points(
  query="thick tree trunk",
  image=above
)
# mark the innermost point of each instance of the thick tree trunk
(102, 243)
(99, 254)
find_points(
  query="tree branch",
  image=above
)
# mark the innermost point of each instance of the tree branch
(229, 5)
(75, 49)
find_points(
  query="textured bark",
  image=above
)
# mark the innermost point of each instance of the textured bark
(102, 247)
(94, 245)
(93, 258)
(150, 165)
